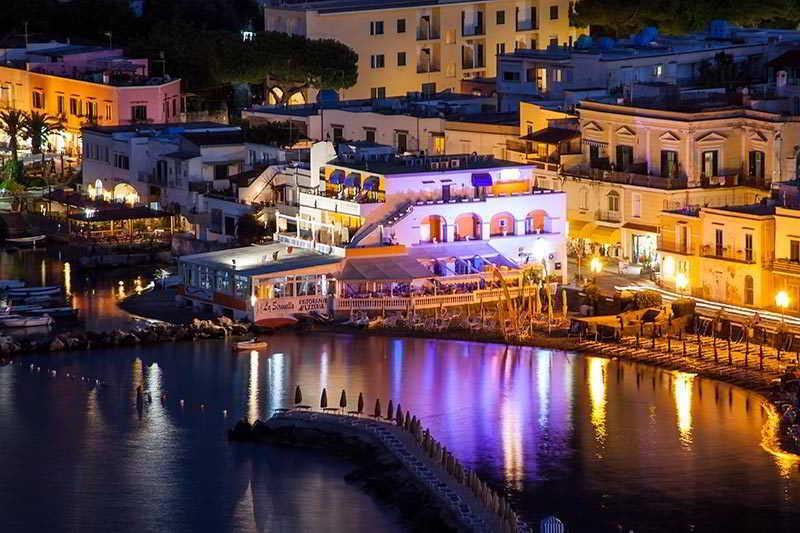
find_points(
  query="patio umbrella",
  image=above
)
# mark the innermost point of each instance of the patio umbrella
(323, 400)
(343, 399)
(399, 417)
(390, 411)
(407, 421)
(298, 396)
(377, 412)
(360, 403)
(564, 306)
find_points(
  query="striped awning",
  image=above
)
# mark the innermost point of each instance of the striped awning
(481, 179)
(336, 177)
(353, 180)
(372, 183)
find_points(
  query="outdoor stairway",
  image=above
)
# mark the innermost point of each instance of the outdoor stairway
(395, 216)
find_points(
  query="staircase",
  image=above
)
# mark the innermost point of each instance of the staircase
(392, 218)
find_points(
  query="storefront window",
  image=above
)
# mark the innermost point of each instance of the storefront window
(205, 278)
(223, 281)
(242, 286)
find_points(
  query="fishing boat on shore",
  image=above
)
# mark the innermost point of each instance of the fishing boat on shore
(253, 344)
(18, 321)
(25, 292)
(64, 311)
(10, 309)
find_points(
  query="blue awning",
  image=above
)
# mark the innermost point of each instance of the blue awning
(481, 179)
(336, 177)
(372, 183)
(353, 180)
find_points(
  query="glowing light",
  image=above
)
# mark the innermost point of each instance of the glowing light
(253, 300)
(681, 281)
(509, 174)
(684, 383)
(596, 265)
(539, 249)
(68, 278)
(597, 396)
(252, 388)
(770, 442)
(511, 434)
(669, 266)
(782, 299)
(89, 212)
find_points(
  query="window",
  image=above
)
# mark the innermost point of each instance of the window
(718, 242)
(794, 251)
(223, 281)
(401, 141)
(669, 163)
(429, 89)
(748, 290)
(108, 111)
(91, 109)
(138, 113)
(401, 25)
(121, 161)
(221, 172)
(242, 286)
(369, 135)
(710, 163)
(377, 92)
(756, 162)
(511, 76)
(500, 17)
(338, 132)
(613, 201)
(553, 12)
(636, 204)
(174, 107)
(401, 59)
(74, 106)
(624, 157)
(60, 104)
(376, 27)
(748, 247)
(584, 199)
(438, 143)
(37, 100)
(553, 41)
(658, 71)
(376, 61)
(500, 48)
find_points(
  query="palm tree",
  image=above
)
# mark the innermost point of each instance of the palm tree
(38, 126)
(12, 123)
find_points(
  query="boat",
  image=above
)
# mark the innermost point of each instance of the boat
(39, 298)
(19, 309)
(253, 344)
(65, 311)
(11, 284)
(26, 321)
(27, 240)
(34, 291)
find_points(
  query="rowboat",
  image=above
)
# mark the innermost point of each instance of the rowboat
(19, 309)
(249, 345)
(11, 284)
(39, 298)
(26, 321)
(34, 291)
(54, 311)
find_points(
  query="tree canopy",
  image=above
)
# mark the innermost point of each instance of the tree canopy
(623, 17)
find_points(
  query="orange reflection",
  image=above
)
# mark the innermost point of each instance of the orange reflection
(684, 384)
(597, 396)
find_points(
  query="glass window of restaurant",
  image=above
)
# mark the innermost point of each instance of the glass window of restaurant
(223, 281)
(205, 277)
(241, 286)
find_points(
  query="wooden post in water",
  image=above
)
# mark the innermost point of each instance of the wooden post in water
(653, 336)
(669, 343)
(761, 350)
(746, 345)
(699, 344)
(714, 340)
(730, 332)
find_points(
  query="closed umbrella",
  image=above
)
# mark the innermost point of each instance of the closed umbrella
(323, 400)
(360, 403)
(399, 417)
(390, 411)
(377, 412)
(298, 396)
(343, 400)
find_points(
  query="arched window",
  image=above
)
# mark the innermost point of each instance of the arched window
(613, 201)
(748, 290)
(583, 198)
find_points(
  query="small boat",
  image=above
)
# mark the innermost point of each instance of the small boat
(19, 308)
(253, 344)
(27, 240)
(37, 299)
(34, 291)
(11, 284)
(26, 321)
(54, 311)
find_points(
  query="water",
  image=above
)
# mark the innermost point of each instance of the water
(95, 293)
(599, 443)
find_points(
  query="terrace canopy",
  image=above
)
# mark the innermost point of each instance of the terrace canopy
(387, 269)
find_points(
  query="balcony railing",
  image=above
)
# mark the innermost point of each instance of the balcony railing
(608, 216)
(427, 34)
(475, 31)
(786, 266)
(680, 248)
(527, 25)
(467, 64)
(628, 178)
(427, 68)
(729, 254)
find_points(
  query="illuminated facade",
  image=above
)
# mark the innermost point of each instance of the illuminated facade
(406, 46)
(86, 86)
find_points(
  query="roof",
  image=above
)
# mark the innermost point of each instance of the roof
(551, 135)
(636, 226)
(244, 179)
(65, 50)
(160, 127)
(215, 138)
(260, 260)
(453, 249)
(344, 6)
(117, 213)
(761, 210)
(384, 268)
(790, 58)
(181, 154)
(399, 165)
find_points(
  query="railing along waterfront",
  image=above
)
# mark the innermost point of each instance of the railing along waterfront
(399, 303)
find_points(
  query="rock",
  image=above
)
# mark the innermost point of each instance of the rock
(225, 321)
(241, 432)
(56, 345)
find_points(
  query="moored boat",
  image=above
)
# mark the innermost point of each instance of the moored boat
(34, 291)
(26, 321)
(253, 344)
(11, 284)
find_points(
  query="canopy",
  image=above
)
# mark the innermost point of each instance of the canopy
(372, 183)
(336, 177)
(481, 179)
(551, 135)
(387, 268)
(644, 228)
(576, 228)
(353, 180)
(118, 213)
(605, 235)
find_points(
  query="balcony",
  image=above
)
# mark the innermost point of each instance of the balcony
(680, 248)
(428, 68)
(527, 25)
(728, 254)
(786, 266)
(428, 34)
(467, 64)
(627, 178)
(604, 215)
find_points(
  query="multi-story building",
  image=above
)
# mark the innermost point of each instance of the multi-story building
(614, 66)
(429, 46)
(86, 85)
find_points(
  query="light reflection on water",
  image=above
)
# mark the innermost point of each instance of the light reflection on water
(598, 442)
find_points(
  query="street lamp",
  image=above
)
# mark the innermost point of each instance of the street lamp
(595, 266)
(681, 282)
(782, 301)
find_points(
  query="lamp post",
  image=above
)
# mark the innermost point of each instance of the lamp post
(596, 266)
(782, 302)
(682, 282)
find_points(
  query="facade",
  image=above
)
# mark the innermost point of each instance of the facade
(613, 66)
(407, 46)
(86, 86)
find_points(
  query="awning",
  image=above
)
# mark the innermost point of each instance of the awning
(336, 177)
(353, 180)
(481, 179)
(372, 183)
(645, 228)
(605, 235)
(592, 142)
(117, 213)
(387, 268)
(576, 227)
(551, 135)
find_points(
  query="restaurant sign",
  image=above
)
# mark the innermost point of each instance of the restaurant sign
(272, 308)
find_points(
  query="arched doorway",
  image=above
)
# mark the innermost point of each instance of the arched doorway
(125, 193)
(502, 224)
(468, 227)
(535, 221)
(433, 229)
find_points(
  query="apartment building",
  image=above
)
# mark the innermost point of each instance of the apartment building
(613, 66)
(86, 85)
(411, 46)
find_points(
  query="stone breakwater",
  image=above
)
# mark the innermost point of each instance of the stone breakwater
(157, 332)
(397, 462)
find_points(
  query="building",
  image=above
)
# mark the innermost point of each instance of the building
(410, 46)
(86, 85)
(613, 66)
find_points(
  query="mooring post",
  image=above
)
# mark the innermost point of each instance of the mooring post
(761, 350)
